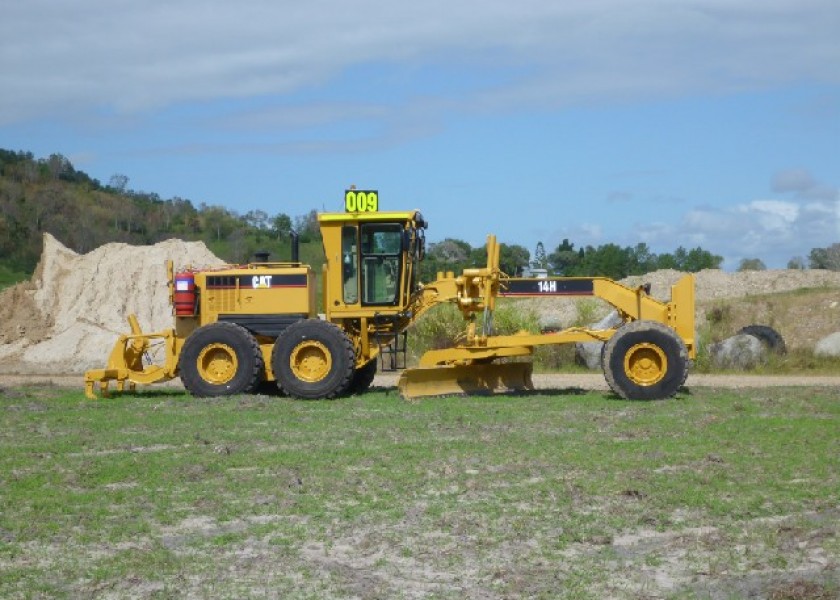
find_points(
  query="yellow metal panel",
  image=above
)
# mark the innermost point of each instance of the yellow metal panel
(681, 312)
(368, 217)
(632, 302)
(256, 290)
(266, 349)
(471, 353)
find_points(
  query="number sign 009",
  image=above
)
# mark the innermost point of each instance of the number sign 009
(361, 201)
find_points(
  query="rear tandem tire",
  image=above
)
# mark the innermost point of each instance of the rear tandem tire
(645, 360)
(313, 359)
(221, 359)
(362, 378)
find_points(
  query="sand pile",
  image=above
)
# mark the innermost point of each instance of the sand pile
(68, 316)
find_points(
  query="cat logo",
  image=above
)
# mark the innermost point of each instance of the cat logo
(261, 281)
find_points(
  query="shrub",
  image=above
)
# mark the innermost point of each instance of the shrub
(444, 326)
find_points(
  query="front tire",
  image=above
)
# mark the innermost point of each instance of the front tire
(313, 359)
(645, 360)
(221, 359)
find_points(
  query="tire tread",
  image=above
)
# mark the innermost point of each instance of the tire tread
(240, 339)
(344, 359)
(676, 353)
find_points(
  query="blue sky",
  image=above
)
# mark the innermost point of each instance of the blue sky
(672, 122)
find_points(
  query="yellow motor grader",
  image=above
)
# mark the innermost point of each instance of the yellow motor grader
(239, 328)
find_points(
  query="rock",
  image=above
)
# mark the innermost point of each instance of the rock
(549, 324)
(742, 352)
(829, 345)
(589, 353)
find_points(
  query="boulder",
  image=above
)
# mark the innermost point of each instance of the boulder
(741, 352)
(829, 345)
(589, 353)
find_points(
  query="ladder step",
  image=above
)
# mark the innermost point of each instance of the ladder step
(393, 354)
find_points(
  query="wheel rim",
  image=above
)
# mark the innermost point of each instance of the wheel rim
(645, 364)
(310, 361)
(217, 363)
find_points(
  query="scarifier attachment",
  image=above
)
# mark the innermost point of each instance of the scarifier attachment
(125, 364)
(476, 378)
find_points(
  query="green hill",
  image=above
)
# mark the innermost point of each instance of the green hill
(40, 195)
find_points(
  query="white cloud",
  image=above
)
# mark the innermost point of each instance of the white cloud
(773, 230)
(91, 56)
(771, 215)
(709, 221)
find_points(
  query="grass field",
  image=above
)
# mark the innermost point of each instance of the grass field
(713, 494)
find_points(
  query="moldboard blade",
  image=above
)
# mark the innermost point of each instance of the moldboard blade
(450, 380)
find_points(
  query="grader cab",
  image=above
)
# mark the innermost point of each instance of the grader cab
(240, 328)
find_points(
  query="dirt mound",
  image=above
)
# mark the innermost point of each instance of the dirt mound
(714, 284)
(19, 315)
(67, 317)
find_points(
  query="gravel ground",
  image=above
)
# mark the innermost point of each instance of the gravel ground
(553, 381)
(596, 381)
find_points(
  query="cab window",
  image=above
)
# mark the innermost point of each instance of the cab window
(349, 265)
(380, 259)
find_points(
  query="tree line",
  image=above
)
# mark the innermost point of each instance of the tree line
(40, 195)
(607, 260)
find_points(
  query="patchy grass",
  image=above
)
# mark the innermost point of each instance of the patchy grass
(715, 494)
